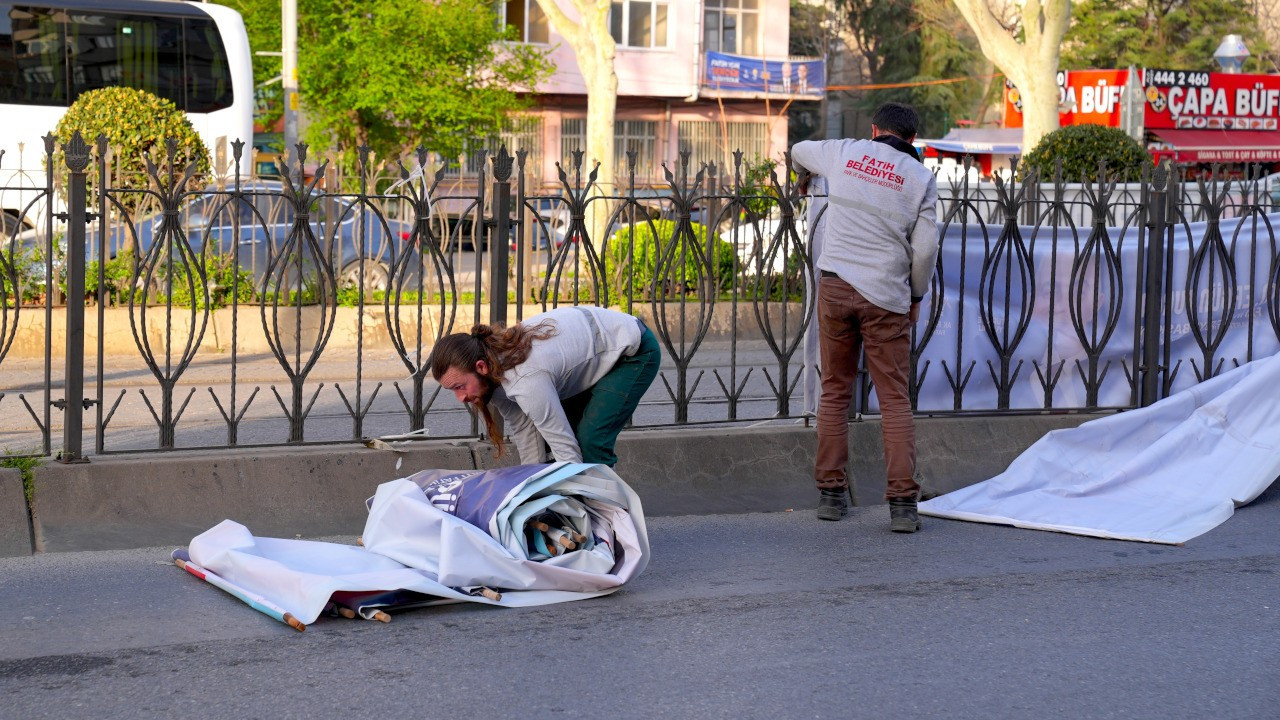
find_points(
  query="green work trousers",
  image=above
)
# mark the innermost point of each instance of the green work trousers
(599, 414)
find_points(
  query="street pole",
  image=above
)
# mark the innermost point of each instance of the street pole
(1152, 294)
(499, 251)
(289, 73)
(77, 159)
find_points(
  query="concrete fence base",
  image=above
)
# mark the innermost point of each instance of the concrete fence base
(141, 500)
(350, 327)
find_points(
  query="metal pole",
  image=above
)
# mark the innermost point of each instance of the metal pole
(77, 159)
(499, 250)
(1152, 294)
(289, 72)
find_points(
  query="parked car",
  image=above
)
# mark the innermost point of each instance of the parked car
(753, 241)
(548, 224)
(261, 224)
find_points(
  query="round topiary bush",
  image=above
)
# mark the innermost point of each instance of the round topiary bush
(135, 122)
(1081, 147)
(636, 272)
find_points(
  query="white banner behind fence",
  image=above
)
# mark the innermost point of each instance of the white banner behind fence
(1033, 288)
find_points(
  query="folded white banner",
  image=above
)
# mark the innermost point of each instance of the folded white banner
(441, 536)
(1164, 473)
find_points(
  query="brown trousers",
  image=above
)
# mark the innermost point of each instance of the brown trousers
(846, 323)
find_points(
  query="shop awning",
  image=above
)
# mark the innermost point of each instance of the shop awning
(1222, 145)
(980, 141)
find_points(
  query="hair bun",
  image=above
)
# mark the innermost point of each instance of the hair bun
(481, 332)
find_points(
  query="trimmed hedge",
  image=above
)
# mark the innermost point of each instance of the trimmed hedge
(684, 277)
(1081, 147)
(135, 122)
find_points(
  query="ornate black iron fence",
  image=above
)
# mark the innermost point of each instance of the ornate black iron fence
(1062, 297)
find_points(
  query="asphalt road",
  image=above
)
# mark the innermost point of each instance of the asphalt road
(767, 615)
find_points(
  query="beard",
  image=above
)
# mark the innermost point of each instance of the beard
(481, 405)
(486, 393)
(481, 402)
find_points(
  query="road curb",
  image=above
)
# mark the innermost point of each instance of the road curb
(15, 529)
(140, 500)
(149, 499)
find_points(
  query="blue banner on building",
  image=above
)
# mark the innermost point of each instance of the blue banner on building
(781, 77)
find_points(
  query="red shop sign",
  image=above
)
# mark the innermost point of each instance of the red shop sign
(1085, 97)
(1193, 100)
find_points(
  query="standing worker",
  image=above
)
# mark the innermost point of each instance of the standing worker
(879, 248)
(571, 378)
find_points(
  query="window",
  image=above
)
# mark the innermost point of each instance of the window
(527, 18)
(137, 52)
(711, 142)
(639, 23)
(50, 57)
(638, 135)
(208, 77)
(33, 69)
(522, 133)
(732, 26)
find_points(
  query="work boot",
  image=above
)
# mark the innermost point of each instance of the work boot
(903, 517)
(833, 504)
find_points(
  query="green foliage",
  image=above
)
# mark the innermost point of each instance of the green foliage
(1081, 147)
(135, 122)
(395, 74)
(918, 41)
(119, 286)
(789, 285)
(26, 465)
(637, 271)
(1180, 35)
(28, 265)
(812, 29)
(349, 296)
(221, 278)
(757, 182)
(117, 277)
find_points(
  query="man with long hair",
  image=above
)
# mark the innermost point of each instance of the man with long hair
(880, 243)
(571, 378)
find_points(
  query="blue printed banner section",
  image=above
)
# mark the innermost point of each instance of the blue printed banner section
(782, 77)
(476, 496)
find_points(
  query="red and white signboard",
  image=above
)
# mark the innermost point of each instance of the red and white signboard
(1174, 100)
(1085, 97)
(1191, 115)
(1185, 100)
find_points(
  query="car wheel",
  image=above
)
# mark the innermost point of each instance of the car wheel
(376, 275)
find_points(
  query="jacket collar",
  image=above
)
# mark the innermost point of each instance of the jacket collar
(898, 144)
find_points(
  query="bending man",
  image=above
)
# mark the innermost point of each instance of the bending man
(879, 248)
(571, 378)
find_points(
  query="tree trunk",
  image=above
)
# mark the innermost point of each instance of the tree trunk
(594, 48)
(1031, 65)
(1039, 118)
(602, 94)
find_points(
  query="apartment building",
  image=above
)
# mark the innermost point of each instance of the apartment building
(708, 76)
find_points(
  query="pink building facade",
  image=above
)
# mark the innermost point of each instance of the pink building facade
(709, 76)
